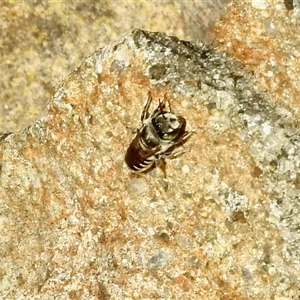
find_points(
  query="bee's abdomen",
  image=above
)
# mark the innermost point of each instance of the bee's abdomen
(142, 166)
(138, 160)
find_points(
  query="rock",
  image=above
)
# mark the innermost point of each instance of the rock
(76, 229)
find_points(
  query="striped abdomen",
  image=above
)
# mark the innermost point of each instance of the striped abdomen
(139, 157)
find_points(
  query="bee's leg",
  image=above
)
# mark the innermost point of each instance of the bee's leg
(177, 153)
(173, 154)
(183, 138)
(160, 164)
(160, 172)
(145, 113)
(169, 104)
(160, 108)
(162, 104)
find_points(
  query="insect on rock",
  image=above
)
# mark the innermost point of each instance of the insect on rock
(160, 133)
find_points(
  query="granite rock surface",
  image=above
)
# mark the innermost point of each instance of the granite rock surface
(222, 225)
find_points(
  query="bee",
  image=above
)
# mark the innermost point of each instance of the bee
(160, 132)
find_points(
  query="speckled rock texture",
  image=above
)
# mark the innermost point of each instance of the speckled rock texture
(43, 41)
(77, 224)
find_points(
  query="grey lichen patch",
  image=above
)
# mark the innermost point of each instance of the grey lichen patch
(73, 210)
(158, 71)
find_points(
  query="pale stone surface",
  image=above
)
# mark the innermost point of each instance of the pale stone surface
(43, 41)
(79, 225)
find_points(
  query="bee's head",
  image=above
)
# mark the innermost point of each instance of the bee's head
(169, 126)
